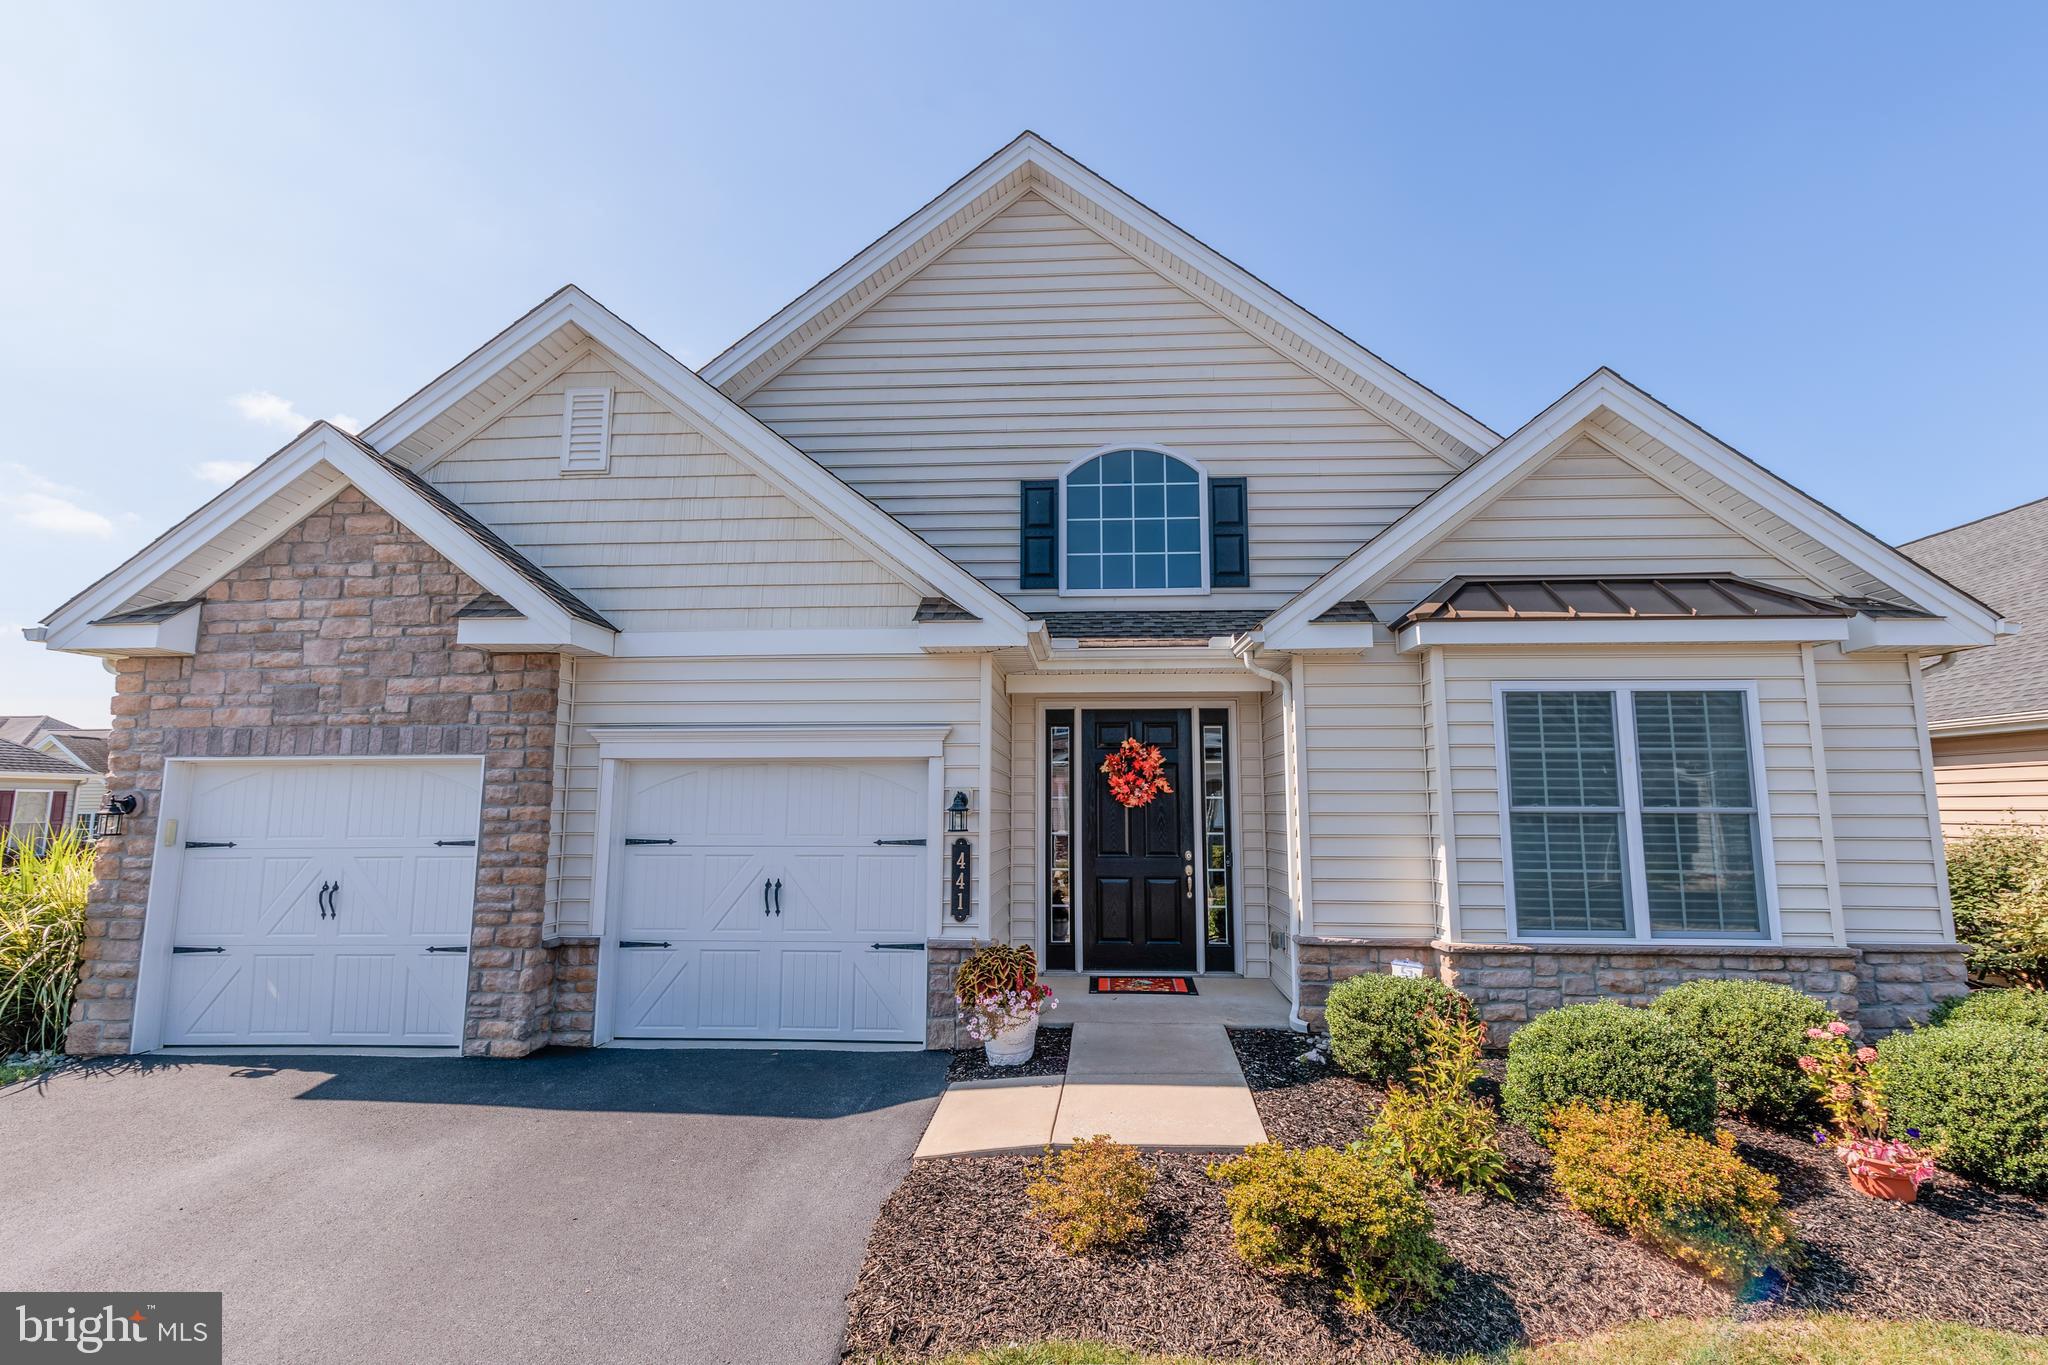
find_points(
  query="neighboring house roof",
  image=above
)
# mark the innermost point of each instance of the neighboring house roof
(1149, 627)
(1030, 162)
(87, 747)
(1668, 598)
(2002, 557)
(18, 760)
(29, 729)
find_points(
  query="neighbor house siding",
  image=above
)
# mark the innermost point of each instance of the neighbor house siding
(678, 535)
(1991, 781)
(1887, 825)
(1368, 822)
(821, 691)
(1790, 771)
(1585, 510)
(1036, 339)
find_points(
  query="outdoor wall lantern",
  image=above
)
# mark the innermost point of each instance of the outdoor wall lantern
(111, 819)
(956, 814)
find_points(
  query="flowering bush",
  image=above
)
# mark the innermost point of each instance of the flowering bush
(1136, 773)
(1853, 1096)
(997, 989)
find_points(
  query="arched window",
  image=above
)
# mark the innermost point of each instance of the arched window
(1134, 524)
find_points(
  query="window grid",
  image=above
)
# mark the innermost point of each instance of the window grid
(1133, 523)
(1686, 788)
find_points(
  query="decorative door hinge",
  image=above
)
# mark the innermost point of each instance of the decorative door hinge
(205, 843)
(631, 842)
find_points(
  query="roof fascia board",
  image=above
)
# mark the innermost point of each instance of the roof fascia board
(1051, 162)
(1801, 630)
(469, 430)
(502, 634)
(486, 360)
(1868, 633)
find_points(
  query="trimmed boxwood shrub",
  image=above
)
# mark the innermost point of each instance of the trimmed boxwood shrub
(1981, 1090)
(1376, 1022)
(1752, 1033)
(2027, 1009)
(1606, 1051)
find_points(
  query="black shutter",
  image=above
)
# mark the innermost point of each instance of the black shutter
(1230, 561)
(1038, 533)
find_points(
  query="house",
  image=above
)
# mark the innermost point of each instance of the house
(584, 697)
(39, 791)
(1987, 710)
(65, 795)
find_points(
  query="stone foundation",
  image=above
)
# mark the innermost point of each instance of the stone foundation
(942, 957)
(1879, 987)
(339, 640)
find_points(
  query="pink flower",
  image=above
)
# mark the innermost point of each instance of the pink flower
(1808, 1064)
(1838, 1028)
(1866, 1055)
(1816, 1033)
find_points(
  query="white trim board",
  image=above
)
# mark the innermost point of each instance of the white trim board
(1968, 622)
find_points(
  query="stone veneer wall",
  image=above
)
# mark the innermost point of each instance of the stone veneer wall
(340, 640)
(942, 958)
(575, 1004)
(1880, 988)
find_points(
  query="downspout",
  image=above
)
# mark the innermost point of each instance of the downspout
(1291, 749)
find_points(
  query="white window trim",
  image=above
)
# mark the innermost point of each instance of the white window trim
(1201, 507)
(1636, 871)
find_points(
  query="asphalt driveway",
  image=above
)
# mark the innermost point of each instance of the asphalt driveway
(617, 1205)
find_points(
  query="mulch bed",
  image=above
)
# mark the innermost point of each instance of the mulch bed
(1049, 1058)
(952, 1265)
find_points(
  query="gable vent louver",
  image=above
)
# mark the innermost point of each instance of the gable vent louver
(586, 431)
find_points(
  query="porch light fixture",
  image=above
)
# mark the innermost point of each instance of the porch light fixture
(956, 814)
(111, 819)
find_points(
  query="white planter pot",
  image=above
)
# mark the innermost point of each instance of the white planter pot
(1013, 1046)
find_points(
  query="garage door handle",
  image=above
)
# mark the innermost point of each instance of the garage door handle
(334, 900)
(766, 883)
(778, 897)
(325, 887)
(896, 947)
(176, 949)
(645, 943)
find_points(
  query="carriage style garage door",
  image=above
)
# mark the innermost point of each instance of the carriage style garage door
(772, 900)
(324, 902)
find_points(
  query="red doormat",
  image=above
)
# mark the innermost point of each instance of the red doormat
(1141, 985)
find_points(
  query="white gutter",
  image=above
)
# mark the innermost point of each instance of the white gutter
(1291, 747)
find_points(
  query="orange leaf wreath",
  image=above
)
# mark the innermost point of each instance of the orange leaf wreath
(1133, 770)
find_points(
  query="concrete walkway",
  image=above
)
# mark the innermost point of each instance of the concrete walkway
(1148, 1084)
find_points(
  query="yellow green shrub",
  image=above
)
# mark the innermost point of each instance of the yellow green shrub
(1091, 1196)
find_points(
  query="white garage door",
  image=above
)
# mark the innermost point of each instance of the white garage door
(325, 903)
(772, 900)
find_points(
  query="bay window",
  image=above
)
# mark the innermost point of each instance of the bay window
(1633, 812)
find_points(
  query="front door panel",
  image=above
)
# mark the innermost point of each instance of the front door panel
(1137, 910)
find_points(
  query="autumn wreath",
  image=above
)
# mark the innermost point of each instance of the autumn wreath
(1134, 772)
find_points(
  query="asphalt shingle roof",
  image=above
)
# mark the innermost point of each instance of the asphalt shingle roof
(2002, 559)
(19, 758)
(1150, 627)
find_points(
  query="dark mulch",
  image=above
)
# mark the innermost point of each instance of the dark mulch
(1049, 1058)
(952, 1265)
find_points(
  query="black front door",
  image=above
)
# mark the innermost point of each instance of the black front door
(1138, 903)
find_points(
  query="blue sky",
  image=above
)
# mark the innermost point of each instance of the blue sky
(1815, 229)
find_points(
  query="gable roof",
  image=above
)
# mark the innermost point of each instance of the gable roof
(822, 494)
(172, 571)
(20, 760)
(1605, 392)
(1030, 162)
(2004, 557)
(86, 747)
(28, 729)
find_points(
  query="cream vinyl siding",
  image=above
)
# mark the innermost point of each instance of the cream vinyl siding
(1369, 831)
(1887, 826)
(1027, 823)
(1585, 510)
(1991, 781)
(677, 536)
(1036, 339)
(1788, 767)
(1256, 854)
(929, 689)
(993, 819)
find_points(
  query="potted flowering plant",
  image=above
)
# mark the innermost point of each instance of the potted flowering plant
(1000, 998)
(1878, 1165)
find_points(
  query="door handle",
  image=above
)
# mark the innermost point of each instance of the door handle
(1190, 871)
(778, 898)
(766, 882)
(325, 887)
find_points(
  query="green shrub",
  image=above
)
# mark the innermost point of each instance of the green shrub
(1752, 1033)
(1980, 1089)
(1091, 1196)
(1998, 884)
(1606, 1051)
(1352, 1216)
(1376, 1022)
(42, 924)
(1433, 1126)
(1628, 1168)
(2026, 1008)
